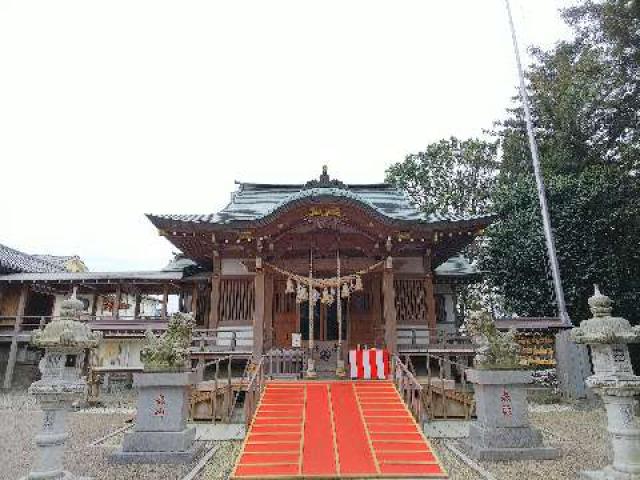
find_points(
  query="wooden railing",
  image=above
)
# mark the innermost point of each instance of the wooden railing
(214, 341)
(220, 398)
(446, 392)
(285, 363)
(408, 387)
(27, 322)
(255, 386)
(222, 340)
(412, 339)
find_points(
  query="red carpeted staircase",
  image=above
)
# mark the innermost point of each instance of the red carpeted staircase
(335, 430)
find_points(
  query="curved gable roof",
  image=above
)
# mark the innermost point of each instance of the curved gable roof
(254, 202)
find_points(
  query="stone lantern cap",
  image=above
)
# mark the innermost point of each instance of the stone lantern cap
(67, 333)
(603, 328)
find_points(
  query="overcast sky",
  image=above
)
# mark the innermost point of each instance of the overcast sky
(113, 109)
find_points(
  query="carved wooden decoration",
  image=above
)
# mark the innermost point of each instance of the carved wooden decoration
(410, 301)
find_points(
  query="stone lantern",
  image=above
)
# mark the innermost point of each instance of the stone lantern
(65, 341)
(614, 381)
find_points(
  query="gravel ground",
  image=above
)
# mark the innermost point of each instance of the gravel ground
(578, 430)
(221, 465)
(20, 419)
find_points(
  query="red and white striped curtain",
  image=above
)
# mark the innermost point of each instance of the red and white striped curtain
(369, 364)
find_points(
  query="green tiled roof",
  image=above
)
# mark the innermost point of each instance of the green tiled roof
(253, 201)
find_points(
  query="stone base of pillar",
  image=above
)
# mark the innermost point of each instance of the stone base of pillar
(185, 456)
(65, 476)
(310, 373)
(502, 431)
(608, 473)
(161, 434)
(507, 444)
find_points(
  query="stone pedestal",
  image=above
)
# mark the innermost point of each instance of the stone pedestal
(624, 432)
(502, 431)
(51, 442)
(615, 382)
(161, 434)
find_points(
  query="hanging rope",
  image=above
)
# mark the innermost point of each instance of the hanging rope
(322, 283)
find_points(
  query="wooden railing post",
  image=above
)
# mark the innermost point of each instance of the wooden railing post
(17, 326)
(389, 307)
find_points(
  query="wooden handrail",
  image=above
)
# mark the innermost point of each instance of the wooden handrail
(408, 387)
(447, 370)
(285, 363)
(255, 386)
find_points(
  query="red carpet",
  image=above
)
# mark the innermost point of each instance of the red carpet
(335, 430)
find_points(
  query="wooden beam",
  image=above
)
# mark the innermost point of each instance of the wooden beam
(258, 313)
(430, 299)
(136, 308)
(214, 311)
(389, 307)
(268, 312)
(194, 302)
(165, 300)
(115, 311)
(94, 305)
(13, 351)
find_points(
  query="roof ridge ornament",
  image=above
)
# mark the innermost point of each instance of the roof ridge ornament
(324, 182)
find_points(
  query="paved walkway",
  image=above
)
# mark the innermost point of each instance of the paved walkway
(335, 430)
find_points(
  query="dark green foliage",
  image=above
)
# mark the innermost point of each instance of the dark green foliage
(449, 176)
(596, 219)
(585, 96)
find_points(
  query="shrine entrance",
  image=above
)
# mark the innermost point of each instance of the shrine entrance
(325, 318)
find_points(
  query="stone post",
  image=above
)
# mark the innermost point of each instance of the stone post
(161, 434)
(614, 381)
(65, 341)
(502, 431)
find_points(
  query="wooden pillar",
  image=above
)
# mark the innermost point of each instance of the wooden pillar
(136, 307)
(214, 316)
(389, 307)
(194, 301)
(115, 311)
(429, 295)
(268, 312)
(165, 300)
(94, 305)
(13, 351)
(258, 313)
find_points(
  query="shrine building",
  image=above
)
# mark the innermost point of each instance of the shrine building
(384, 274)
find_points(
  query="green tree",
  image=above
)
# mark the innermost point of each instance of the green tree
(450, 176)
(585, 95)
(596, 219)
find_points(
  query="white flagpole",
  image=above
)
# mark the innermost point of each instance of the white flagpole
(535, 157)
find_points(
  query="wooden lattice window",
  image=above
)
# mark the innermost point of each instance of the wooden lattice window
(410, 301)
(237, 300)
